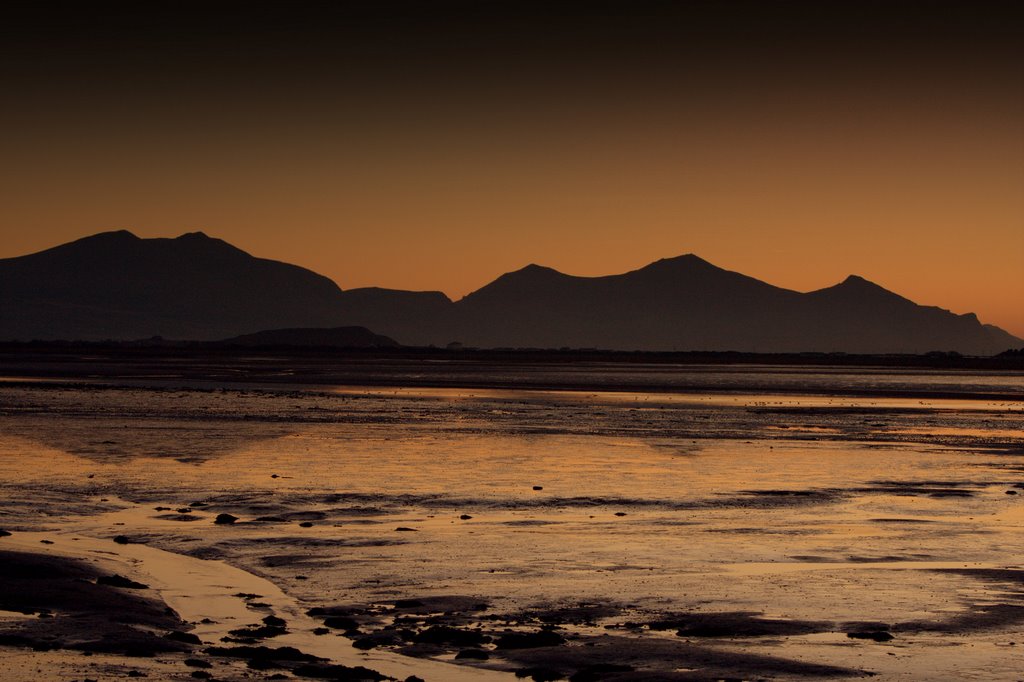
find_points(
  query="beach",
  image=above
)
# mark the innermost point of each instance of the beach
(548, 520)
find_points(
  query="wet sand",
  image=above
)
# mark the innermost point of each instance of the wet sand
(556, 534)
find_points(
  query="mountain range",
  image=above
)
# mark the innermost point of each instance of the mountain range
(115, 285)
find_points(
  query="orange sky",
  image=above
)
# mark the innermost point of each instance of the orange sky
(903, 163)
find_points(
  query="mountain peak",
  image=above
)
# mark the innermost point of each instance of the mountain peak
(688, 261)
(855, 287)
(684, 259)
(530, 273)
(858, 283)
(200, 242)
(534, 269)
(110, 236)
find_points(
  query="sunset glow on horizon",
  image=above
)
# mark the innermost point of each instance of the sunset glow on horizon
(428, 151)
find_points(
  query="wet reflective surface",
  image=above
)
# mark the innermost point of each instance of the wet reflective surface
(735, 531)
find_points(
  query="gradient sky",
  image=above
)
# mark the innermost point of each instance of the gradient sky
(435, 145)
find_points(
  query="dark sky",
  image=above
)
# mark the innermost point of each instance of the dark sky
(433, 145)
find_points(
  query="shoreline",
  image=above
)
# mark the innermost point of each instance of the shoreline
(557, 535)
(205, 594)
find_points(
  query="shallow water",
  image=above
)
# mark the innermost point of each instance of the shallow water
(820, 498)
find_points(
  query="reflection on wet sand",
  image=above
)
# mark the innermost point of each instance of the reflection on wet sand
(112, 440)
(592, 536)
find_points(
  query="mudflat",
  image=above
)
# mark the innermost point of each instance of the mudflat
(551, 520)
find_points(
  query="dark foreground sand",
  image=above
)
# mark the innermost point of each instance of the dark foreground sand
(71, 610)
(66, 615)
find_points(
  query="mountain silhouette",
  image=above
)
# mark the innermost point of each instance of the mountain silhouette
(682, 303)
(118, 286)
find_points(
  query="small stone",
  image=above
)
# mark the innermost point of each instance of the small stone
(306, 524)
(873, 635)
(121, 582)
(341, 623)
(538, 487)
(405, 529)
(472, 654)
(183, 637)
(121, 539)
(225, 519)
(465, 517)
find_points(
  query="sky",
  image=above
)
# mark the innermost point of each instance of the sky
(435, 145)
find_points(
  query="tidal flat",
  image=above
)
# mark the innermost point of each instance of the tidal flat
(450, 521)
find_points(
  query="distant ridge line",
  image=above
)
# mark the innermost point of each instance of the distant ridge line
(115, 285)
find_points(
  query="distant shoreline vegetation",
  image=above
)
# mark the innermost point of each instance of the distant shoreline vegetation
(156, 347)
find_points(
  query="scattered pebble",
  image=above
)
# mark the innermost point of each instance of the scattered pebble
(185, 637)
(120, 581)
(472, 654)
(873, 635)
